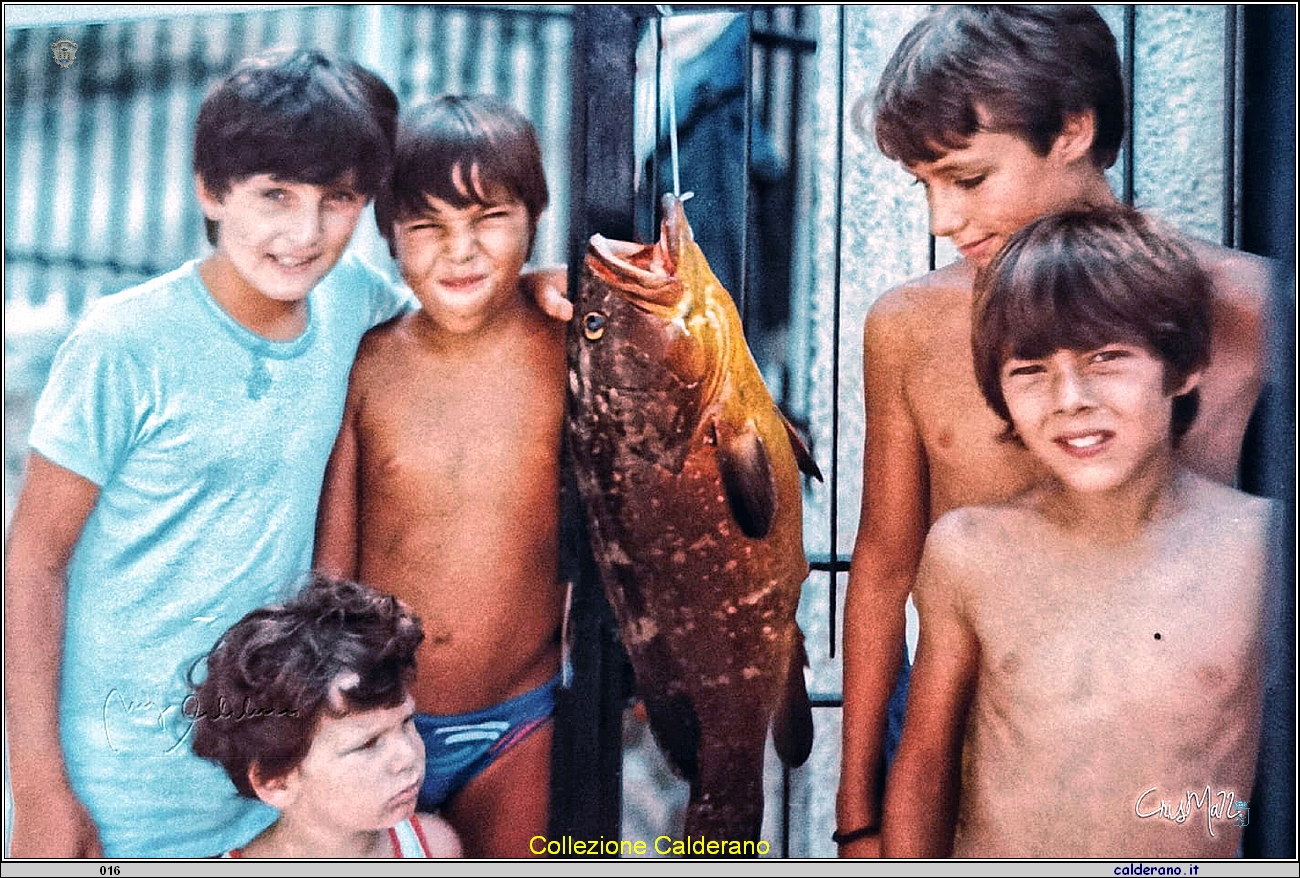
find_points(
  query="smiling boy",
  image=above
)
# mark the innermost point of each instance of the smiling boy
(443, 488)
(1093, 647)
(1003, 115)
(177, 457)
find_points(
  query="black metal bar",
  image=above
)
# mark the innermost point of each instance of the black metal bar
(536, 11)
(790, 200)
(1269, 134)
(1230, 14)
(765, 65)
(1268, 217)
(653, 212)
(776, 39)
(785, 811)
(826, 562)
(765, 111)
(587, 774)
(1129, 68)
(835, 357)
(76, 262)
(745, 202)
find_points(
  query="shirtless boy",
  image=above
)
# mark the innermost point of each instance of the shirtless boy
(444, 483)
(1003, 114)
(1090, 652)
(306, 706)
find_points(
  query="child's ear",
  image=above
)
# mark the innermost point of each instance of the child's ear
(1075, 140)
(1189, 384)
(279, 792)
(208, 201)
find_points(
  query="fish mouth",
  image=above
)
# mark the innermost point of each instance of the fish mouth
(647, 273)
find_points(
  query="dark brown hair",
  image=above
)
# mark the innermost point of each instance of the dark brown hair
(462, 150)
(1025, 67)
(1083, 279)
(270, 677)
(296, 115)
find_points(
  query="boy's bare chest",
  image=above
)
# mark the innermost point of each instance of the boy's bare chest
(1090, 636)
(968, 462)
(480, 426)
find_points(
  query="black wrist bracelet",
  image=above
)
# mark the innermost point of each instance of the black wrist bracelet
(861, 832)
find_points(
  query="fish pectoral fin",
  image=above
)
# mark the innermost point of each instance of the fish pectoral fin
(747, 480)
(792, 725)
(807, 465)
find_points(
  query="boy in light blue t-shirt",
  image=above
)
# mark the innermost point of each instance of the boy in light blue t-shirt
(176, 464)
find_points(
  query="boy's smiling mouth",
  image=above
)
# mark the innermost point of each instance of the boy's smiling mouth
(976, 248)
(1084, 444)
(292, 262)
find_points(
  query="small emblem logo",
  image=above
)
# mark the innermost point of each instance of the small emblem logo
(1243, 814)
(65, 51)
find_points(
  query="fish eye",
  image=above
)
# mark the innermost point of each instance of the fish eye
(593, 325)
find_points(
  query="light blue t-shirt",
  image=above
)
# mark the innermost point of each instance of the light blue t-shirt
(209, 446)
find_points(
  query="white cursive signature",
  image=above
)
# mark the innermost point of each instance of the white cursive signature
(1222, 805)
(179, 722)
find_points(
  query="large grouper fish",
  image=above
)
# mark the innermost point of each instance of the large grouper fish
(689, 475)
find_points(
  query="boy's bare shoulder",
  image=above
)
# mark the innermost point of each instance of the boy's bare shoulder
(905, 313)
(1243, 279)
(921, 294)
(1225, 510)
(544, 326)
(379, 346)
(970, 538)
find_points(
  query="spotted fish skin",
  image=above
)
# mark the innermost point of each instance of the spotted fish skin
(690, 479)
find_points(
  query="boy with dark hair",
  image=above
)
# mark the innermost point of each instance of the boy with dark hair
(443, 488)
(306, 706)
(256, 122)
(1003, 114)
(1063, 656)
(177, 457)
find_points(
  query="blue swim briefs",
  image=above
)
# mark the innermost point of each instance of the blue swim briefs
(459, 746)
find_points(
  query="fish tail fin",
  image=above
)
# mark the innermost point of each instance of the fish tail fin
(792, 725)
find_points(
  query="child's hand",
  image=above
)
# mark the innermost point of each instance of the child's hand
(57, 827)
(548, 287)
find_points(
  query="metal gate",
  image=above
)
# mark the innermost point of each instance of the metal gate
(98, 197)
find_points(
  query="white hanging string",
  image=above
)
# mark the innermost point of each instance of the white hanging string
(665, 12)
